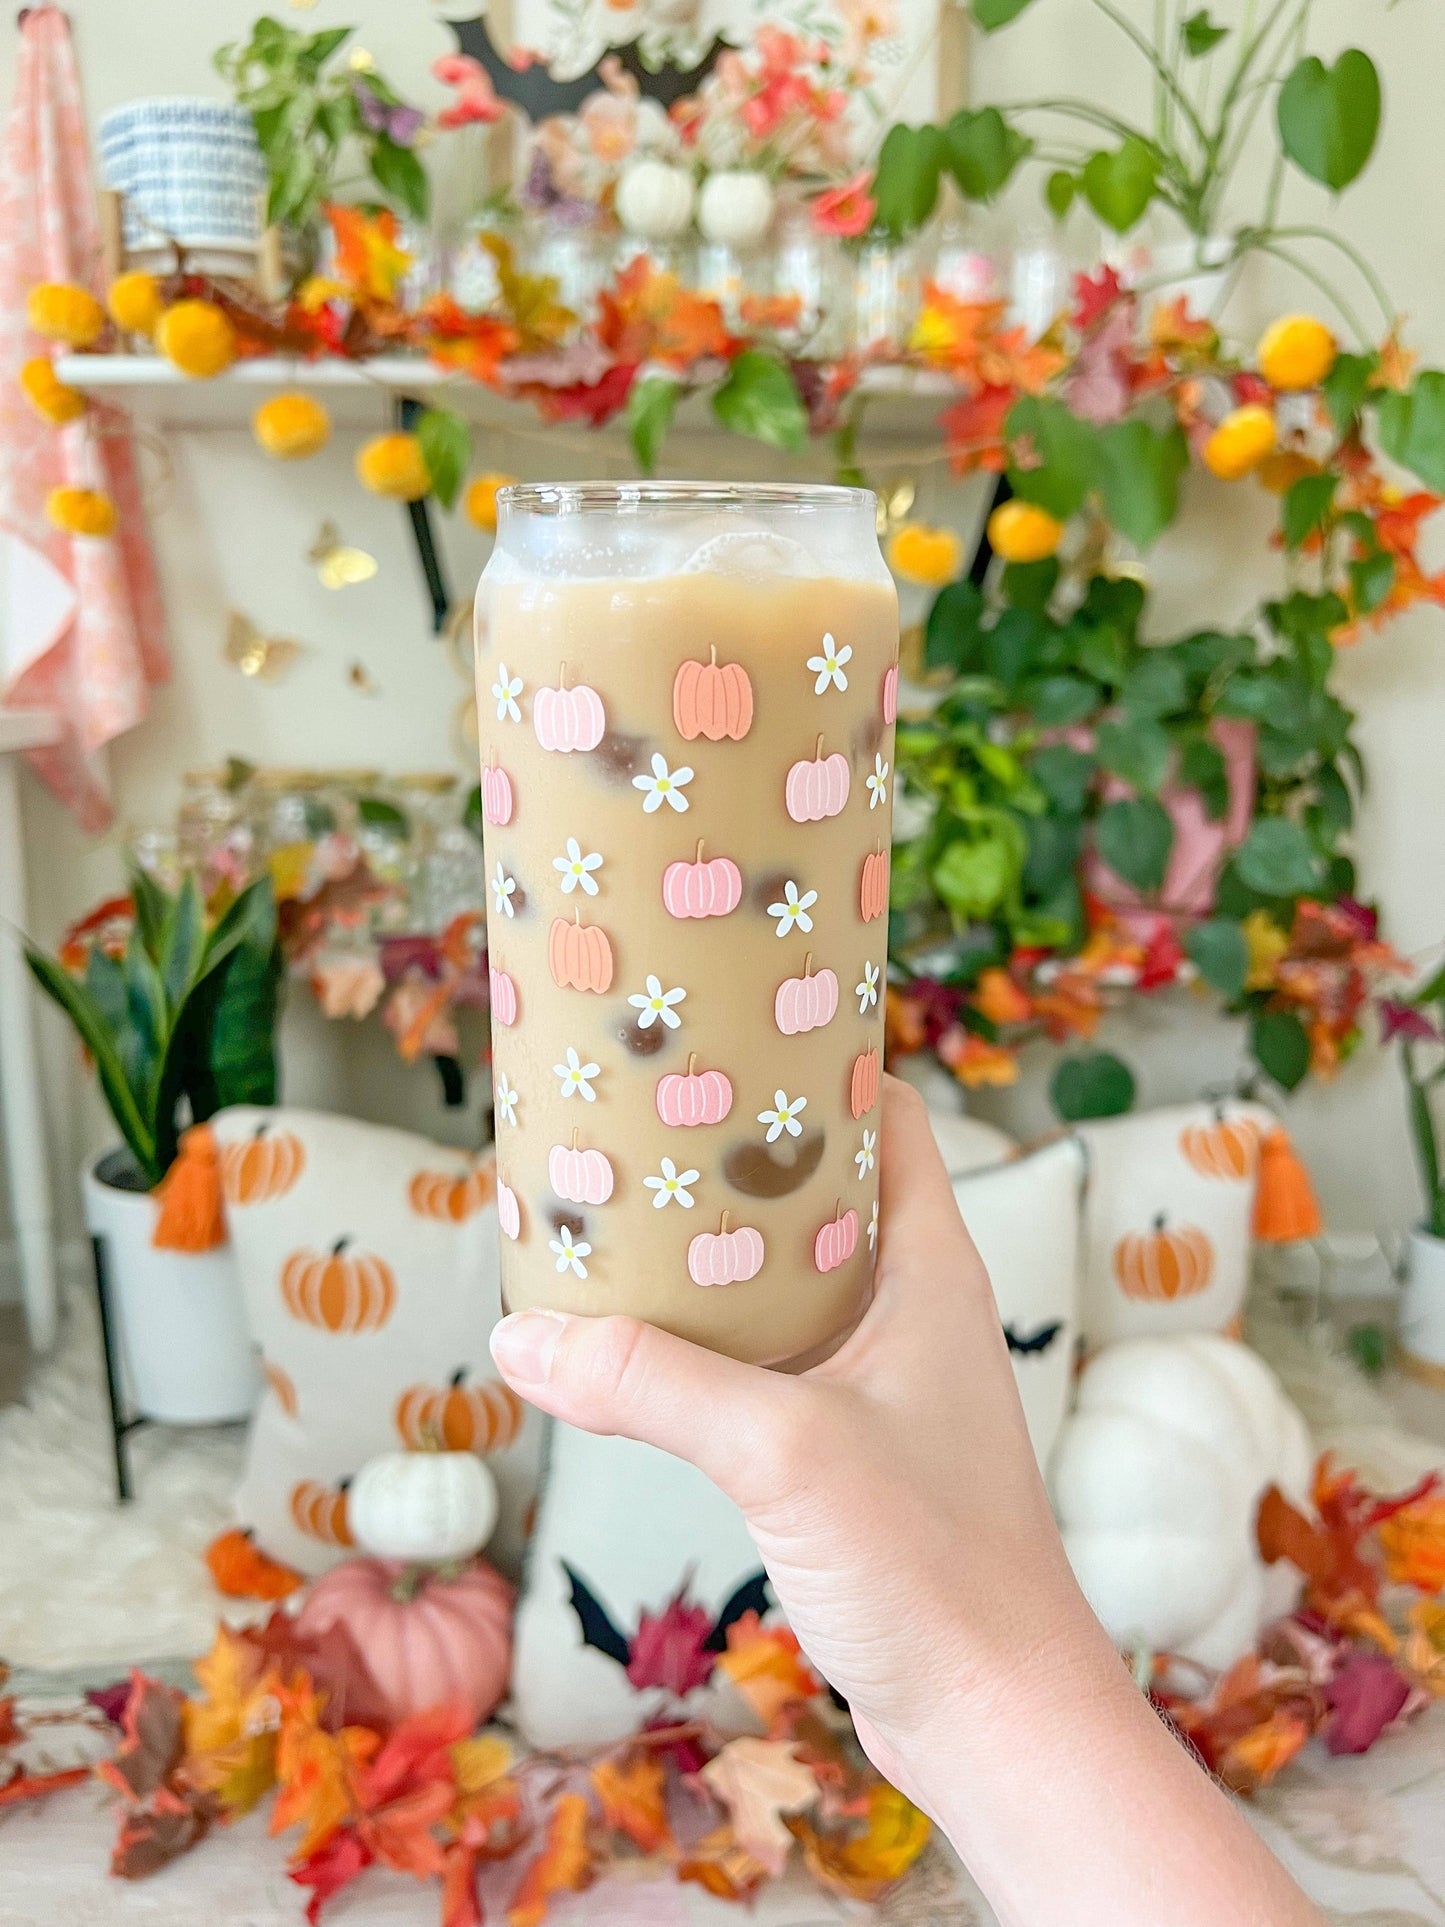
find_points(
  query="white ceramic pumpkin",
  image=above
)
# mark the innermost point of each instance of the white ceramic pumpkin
(654, 200)
(1156, 1480)
(735, 208)
(425, 1508)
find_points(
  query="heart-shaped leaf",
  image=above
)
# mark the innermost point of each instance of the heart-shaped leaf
(1137, 750)
(1276, 859)
(650, 406)
(1062, 455)
(1412, 428)
(1139, 478)
(905, 186)
(1329, 116)
(1135, 838)
(1099, 1085)
(992, 14)
(761, 399)
(983, 150)
(1281, 1044)
(1119, 186)
(1220, 954)
(1059, 191)
(1202, 34)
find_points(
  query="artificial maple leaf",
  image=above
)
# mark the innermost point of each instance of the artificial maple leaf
(1256, 1756)
(633, 1793)
(331, 1661)
(369, 263)
(409, 1788)
(863, 1865)
(1425, 1646)
(460, 1905)
(669, 1649)
(766, 1665)
(473, 343)
(593, 402)
(230, 1733)
(530, 300)
(718, 1865)
(1094, 296)
(153, 1743)
(479, 1763)
(1252, 1724)
(10, 1734)
(331, 1868)
(759, 1781)
(35, 1786)
(648, 315)
(1365, 1696)
(316, 1770)
(344, 902)
(563, 1866)
(973, 430)
(951, 334)
(1191, 339)
(151, 1836)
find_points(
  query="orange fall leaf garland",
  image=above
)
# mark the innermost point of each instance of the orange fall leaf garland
(633, 1796)
(563, 1866)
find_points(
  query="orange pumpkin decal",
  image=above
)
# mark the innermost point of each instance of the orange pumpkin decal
(261, 1167)
(339, 1290)
(1160, 1265)
(863, 1083)
(1223, 1149)
(241, 1570)
(873, 886)
(320, 1512)
(712, 699)
(579, 955)
(445, 1195)
(283, 1387)
(459, 1417)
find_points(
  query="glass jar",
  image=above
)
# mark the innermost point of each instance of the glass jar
(885, 298)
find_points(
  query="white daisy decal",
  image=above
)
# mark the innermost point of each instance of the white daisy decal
(672, 1184)
(577, 1077)
(867, 991)
(864, 1158)
(783, 1116)
(505, 1099)
(827, 666)
(575, 869)
(655, 1003)
(792, 912)
(505, 691)
(877, 784)
(663, 786)
(502, 888)
(570, 1256)
(873, 1227)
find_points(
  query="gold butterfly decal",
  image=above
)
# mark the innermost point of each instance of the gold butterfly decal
(894, 505)
(265, 658)
(338, 564)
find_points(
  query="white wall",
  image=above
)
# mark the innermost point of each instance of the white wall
(233, 532)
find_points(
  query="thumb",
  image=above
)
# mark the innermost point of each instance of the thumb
(619, 1375)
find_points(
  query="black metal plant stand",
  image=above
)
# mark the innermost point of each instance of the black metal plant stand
(121, 1425)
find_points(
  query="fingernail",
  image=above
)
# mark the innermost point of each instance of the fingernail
(525, 1343)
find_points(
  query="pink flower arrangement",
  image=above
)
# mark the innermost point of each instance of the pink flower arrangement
(476, 101)
(846, 210)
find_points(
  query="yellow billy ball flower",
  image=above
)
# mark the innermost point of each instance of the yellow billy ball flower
(1241, 442)
(135, 303)
(1023, 532)
(394, 465)
(81, 511)
(481, 499)
(1296, 352)
(51, 398)
(61, 311)
(290, 427)
(197, 337)
(924, 555)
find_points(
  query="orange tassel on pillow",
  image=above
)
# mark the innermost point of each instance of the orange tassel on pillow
(242, 1571)
(1285, 1205)
(191, 1217)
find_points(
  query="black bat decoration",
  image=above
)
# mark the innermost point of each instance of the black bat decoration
(537, 94)
(750, 1597)
(599, 1631)
(1038, 1341)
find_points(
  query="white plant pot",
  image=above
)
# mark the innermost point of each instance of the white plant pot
(1422, 1309)
(655, 200)
(735, 208)
(176, 1316)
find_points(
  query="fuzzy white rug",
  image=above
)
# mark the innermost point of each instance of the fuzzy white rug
(84, 1581)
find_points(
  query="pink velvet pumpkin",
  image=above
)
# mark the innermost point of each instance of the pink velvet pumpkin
(449, 1641)
(698, 889)
(498, 798)
(817, 787)
(504, 996)
(807, 1002)
(568, 719)
(694, 1097)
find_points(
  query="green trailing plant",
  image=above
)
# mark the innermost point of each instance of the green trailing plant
(313, 116)
(1418, 1021)
(183, 1022)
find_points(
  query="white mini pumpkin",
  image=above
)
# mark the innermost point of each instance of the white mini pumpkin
(1156, 1480)
(654, 200)
(422, 1507)
(735, 208)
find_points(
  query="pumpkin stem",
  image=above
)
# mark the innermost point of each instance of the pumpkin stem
(408, 1584)
(562, 676)
(1159, 1222)
(807, 963)
(691, 1060)
(574, 1137)
(818, 748)
(340, 1246)
(723, 1223)
(457, 1376)
(697, 853)
(430, 1434)
(712, 654)
(261, 1129)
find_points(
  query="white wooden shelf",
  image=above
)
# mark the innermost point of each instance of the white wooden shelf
(26, 729)
(903, 403)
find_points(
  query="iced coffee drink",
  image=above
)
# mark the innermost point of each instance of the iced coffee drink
(686, 697)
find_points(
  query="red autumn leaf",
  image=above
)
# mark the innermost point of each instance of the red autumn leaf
(1364, 1697)
(151, 1836)
(417, 1753)
(593, 402)
(333, 1663)
(669, 1649)
(1094, 297)
(110, 1700)
(563, 1866)
(35, 1786)
(152, 1745)
(9, 1730)
(331, 1868)
(974, 430)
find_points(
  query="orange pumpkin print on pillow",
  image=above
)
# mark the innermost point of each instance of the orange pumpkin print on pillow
(1224, 1149)
(1164, 1263)
(459, 1417)
(339, 1290)
(452, 1196)
(283, 1387)
(261, 1167)
(321, 1512)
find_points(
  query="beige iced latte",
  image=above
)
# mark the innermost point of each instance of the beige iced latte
(686, 697)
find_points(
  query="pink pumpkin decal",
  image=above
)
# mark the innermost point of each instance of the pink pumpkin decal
(582, 1177)
(698, 889)
(509, 1212)
(724, 1257)
(694, 1097)
(444, 1641)
(836, 1241)
(807, 1002)
(817, 787)
(504, 996)
(498, 797)
(890, 693)
(568, 719)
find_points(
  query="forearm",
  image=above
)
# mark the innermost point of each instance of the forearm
(1068, 1784)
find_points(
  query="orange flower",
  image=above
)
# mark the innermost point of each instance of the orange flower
(974, 1061)
(905, 1026)
(1413, 1542)
(1070, 1007)
(997, 997)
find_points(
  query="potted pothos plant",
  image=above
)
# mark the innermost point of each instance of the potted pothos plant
(178, 1017)
(1417, 1022)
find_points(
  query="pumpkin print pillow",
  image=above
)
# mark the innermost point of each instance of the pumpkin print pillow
(1168, 1206)
(368, 1262)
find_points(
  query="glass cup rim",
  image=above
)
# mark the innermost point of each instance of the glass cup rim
(612, 498)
